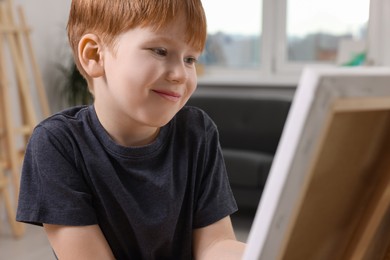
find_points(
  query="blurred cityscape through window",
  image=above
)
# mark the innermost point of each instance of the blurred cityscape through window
(234, 33)
(314, 29)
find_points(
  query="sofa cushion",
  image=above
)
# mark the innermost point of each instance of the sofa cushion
(247, 123)
(247, 168)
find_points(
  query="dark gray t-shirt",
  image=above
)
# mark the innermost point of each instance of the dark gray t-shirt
(146, 200)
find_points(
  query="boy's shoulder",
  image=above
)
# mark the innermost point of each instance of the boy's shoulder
(192, 112)
(72, 114)
(195, 117)
(64, 121)
(63, 130)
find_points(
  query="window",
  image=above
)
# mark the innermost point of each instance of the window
(271, 40)
(234, 29)
(315, 29)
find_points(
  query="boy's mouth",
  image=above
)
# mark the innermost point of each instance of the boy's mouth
(169, 95)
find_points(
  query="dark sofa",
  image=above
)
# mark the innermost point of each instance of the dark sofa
(250, 128)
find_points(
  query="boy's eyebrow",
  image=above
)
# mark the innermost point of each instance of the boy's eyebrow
(161, 38)
(156, 39)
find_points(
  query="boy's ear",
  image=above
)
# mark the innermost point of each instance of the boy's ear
(91, 55)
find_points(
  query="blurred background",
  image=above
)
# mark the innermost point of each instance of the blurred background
(254, 47)
(250, 42)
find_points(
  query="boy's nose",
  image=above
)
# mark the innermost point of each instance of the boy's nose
(177, 73)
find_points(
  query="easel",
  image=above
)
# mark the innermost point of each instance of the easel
(14, 134)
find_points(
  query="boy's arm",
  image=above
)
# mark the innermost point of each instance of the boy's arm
(78, 242)
(217, 241)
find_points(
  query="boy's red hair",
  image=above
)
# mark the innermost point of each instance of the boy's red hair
(110, 18)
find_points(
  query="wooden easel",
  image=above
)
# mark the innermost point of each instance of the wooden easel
(14, 131)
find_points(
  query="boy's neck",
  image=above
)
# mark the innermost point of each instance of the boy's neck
(126, 133)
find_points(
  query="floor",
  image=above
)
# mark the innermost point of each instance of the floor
(34, 245)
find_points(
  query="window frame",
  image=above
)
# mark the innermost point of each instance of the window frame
(379, 33)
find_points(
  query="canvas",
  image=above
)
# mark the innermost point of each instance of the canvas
(328, 192)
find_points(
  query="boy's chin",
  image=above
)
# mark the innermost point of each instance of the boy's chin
(162, 123)
(162, 120)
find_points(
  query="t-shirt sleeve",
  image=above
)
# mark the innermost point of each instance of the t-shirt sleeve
(52, 189)
(215, 200)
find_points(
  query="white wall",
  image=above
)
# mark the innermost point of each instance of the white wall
(47, 19)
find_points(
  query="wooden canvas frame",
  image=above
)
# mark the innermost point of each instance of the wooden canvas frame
(328, 192)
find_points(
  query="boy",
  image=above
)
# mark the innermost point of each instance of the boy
(136, 175)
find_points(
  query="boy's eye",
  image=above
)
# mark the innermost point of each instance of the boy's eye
(190, 60)
(160, 51)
